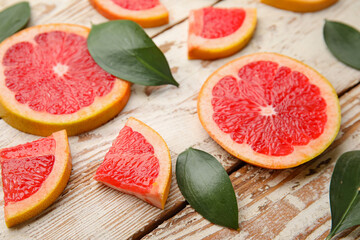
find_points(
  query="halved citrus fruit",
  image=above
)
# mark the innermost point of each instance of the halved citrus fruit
(33, 175)
(49, 82)
(138, 163)
(269, 110)
(219, 32)
(300, 5)
(147, 13)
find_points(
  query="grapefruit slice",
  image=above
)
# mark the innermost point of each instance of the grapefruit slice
(49, 82)
(33, 175)
(138, 163)
(300, 5)
(147, 13)
(219, 32)
(269, 110)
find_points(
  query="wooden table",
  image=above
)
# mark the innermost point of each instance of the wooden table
(273, 204)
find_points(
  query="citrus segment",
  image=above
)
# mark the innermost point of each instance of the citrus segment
(33, 176)
(269, 110)
(219, 32)
(23, 177)
(49, 81)
(300, 5)
(146, 13)
(216, 22)
(138, 163)
(137, 4)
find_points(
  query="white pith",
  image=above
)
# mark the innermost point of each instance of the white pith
(60, 69)
(267, 111)
(244, 151)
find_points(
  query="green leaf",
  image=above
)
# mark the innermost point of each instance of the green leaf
(13, 19)
(123, 49)
(343, 42)
(344, 193)
(207, 187)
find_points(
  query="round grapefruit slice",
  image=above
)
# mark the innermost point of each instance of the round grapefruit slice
(269, 110)
(33, 175)
(147, 13)
(219, 32)
(138, 163)
(49, 82)
(300, 5)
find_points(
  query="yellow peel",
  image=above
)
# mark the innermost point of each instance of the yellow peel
(27, 120)
(51, 188)
(301, 154)
(300, 5)
(202, 48)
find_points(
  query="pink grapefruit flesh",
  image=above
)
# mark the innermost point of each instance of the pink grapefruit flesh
(147, 13)
(33, 176)
(138, 163)
(270, 110)
(137, 4)
(219, 22)
(219, 32)
(49, 81)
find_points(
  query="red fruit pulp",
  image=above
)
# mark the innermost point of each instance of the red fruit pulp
(137, 4)
(130, 163)
(42, 146)
(25, 167)
(270, 107)
(55, 73)
(221, 22)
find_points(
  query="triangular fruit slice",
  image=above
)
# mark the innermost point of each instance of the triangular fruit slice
(147, 13)
(138, 163)
(219, 32)
(300, 5)
(33, 175)
(269, 110)
(49, 82)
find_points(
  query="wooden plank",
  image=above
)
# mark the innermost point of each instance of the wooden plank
(81, 12)
(98, 212)
(278, 204)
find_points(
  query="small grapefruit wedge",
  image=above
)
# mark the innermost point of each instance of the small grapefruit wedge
(49, 82)
(219, 32)
(269, 110)
(147, 13)
(300, 5)
(138, 163)
(33, 175)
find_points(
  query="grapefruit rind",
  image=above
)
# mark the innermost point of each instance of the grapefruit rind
(22, 117)
(207, 49)
(300, 5)
(161, 187)
(52, 187)
(147, 18)
(301, 154)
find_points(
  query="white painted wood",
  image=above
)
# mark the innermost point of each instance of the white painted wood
(278, 204)
(89, 210)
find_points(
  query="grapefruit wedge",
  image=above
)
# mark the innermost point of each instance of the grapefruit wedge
(49, 82)
(147, 13)
(219, 32)
(138, 163)
(269, 110)
(300, 5)
(33, 175)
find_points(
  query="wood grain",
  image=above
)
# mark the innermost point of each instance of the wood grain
(278, 204)
(89, 210)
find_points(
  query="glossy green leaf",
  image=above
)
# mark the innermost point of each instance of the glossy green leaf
(343, 42)
(123, 49)
(13, 19)
(344, 193)
(207, 187)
